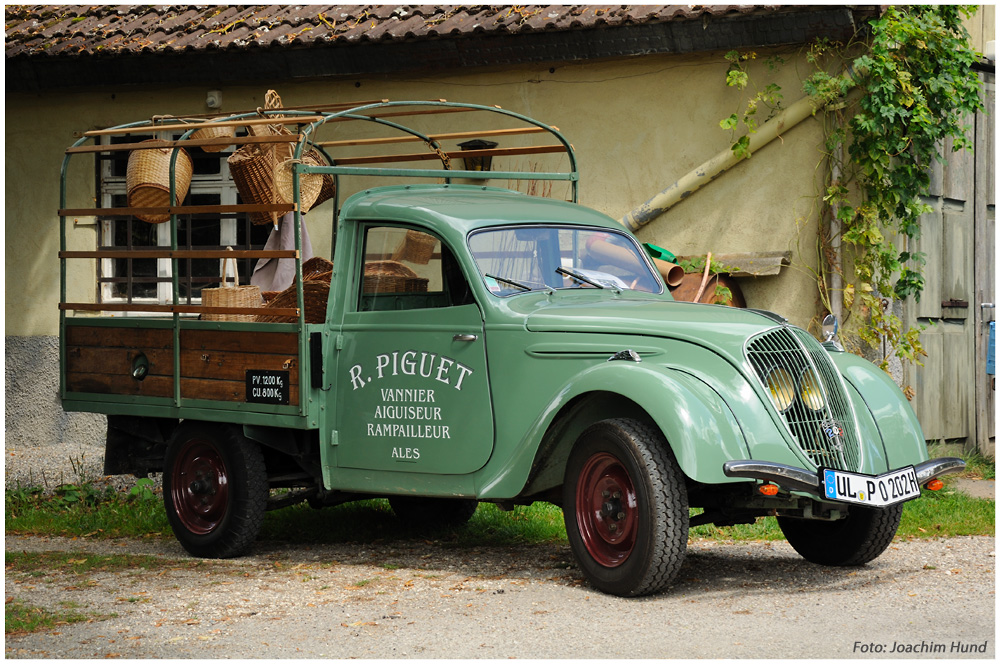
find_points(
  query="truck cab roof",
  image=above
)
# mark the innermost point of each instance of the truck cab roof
(464, 208)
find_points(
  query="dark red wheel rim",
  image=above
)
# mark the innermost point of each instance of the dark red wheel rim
(607, 511)
(199, 487)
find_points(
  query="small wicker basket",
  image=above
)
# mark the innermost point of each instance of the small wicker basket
(147, 180)
(417, 248)
(231, 296)
(214, 131)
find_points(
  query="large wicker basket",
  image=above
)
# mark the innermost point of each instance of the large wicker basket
(262, 172)
(252, 169)
(147, 180)
(244, 297)
(315, 293)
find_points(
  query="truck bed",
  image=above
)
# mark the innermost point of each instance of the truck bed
(251, 371)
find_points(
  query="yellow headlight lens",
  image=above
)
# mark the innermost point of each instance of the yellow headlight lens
(811, 391)
(781, 386)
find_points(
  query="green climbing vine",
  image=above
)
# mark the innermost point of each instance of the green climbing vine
(899, 90)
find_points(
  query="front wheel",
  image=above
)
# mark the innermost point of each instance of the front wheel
(214, 489)
(855, 540)
(626, 509)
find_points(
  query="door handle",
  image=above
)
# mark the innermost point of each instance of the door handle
(465, 337)
(987, 305)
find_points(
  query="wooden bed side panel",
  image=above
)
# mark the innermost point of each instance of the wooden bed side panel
(213, 363)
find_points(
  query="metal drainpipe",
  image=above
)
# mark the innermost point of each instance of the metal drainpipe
(718, 164)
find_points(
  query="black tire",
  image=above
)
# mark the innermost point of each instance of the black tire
(431, 513)
(214, 489)
(855, 540)
(626, 508)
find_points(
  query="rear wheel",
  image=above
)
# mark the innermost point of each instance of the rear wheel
(433, 512)
(625, 507)
(214, 489)
(855, 540)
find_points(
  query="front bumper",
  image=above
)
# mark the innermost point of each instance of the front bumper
(800, 479)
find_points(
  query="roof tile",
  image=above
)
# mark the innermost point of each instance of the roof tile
(60, 30)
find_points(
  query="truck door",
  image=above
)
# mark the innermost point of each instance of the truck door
(413, 390)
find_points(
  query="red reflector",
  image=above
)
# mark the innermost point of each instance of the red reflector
(768, 489)
(935, 484)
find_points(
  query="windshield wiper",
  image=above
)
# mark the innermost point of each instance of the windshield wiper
(573, 274)
(509, 281)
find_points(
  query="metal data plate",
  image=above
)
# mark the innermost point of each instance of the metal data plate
(871, 490)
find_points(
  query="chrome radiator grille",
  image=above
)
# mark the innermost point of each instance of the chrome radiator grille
(808, 392)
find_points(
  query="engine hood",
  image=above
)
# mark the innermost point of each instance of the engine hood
(719, 327)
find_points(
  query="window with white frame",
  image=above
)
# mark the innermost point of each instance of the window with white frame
(149, 279)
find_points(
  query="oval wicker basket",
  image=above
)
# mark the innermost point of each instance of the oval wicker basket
(147, 180)
(310, 184)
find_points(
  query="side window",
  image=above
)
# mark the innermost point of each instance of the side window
(409, 269)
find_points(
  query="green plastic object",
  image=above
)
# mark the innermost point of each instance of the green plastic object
(659, 252)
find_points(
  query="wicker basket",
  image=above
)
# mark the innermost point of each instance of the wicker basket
(315, 294)
(417, 248)
(327, 191)
(263, 175)
(212, 131)
(231, 296)
(252, 170)
(310, 184)
(392, 277)
(315, 268)
(147, 180)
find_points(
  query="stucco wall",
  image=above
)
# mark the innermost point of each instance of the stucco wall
(33, 415)
(637, 125)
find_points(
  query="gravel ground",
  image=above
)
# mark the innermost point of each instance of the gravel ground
(747, 600)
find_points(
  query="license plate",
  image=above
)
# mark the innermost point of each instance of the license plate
(871, 490)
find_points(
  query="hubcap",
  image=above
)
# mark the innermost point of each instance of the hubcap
(607, 510)
(200, 487)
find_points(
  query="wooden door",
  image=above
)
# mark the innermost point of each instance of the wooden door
(954, 396)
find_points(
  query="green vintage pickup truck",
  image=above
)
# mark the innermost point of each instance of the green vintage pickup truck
(473, 343)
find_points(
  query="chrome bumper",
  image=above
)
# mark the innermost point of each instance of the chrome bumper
(799, 479)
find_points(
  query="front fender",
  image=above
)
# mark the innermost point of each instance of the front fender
(902, 437)
(698, 425)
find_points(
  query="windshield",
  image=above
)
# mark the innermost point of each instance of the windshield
(527, 258)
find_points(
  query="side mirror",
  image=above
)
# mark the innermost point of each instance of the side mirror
(830, 327)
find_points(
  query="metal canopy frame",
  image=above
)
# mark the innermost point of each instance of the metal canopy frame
(309, 120)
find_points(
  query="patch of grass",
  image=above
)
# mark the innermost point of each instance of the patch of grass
(83, 564)
(81, 510)
(765, 528)
(947, 513)
(527, 524)
(21, 618)
(979, 467)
